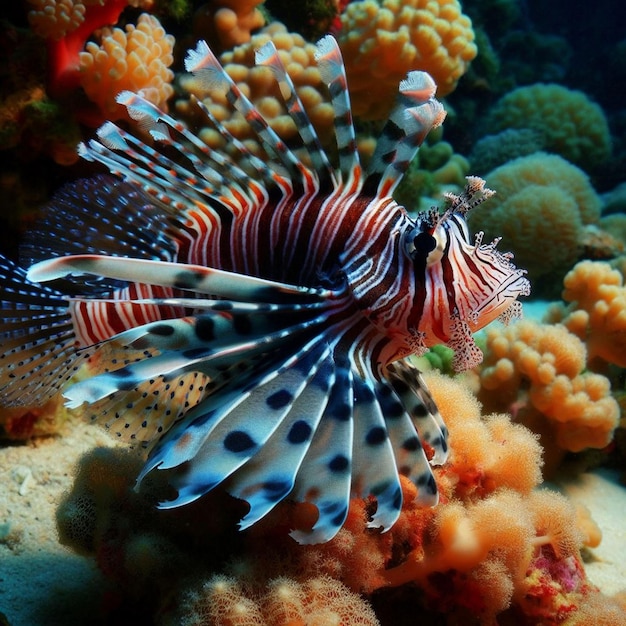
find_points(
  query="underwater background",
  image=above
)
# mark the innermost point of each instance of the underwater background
(530, 526)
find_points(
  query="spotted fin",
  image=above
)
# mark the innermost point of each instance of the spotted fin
(38, 354)
(197, 278)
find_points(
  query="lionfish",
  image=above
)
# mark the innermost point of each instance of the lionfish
(250, 319)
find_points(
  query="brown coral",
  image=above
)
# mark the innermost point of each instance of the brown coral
(228, 23)
(381, 42)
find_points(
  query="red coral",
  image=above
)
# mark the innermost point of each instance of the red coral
(63, 73)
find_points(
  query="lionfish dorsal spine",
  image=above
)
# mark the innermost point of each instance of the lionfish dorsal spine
(205, 66)
(268, 56)
(332, 70)
(415, 113)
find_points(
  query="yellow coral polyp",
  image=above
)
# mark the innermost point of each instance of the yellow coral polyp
(382, 42)
(136, 59)
(542, 375)
(259, 85)
(55, 18)
(597, 310)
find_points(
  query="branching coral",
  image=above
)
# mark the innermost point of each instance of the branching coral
(572, 125)
(66, 25)
(259, 85)
(536, 196)
(537, 373)
(381, 42)
(596, 312)
(136, 59)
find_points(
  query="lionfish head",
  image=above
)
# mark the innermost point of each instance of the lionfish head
(460, 285)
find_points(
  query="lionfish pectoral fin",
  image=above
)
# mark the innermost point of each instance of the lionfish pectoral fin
(269, 476)
(197, 278)
(325, 476)
(225, 439)
(208, 343)
(412, 422)
(37, 354)
(375, 472)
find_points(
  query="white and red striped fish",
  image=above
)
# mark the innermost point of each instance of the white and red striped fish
(254, 316)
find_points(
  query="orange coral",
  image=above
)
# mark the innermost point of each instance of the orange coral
(484, 548)
(485, 453)
(597, 311)
(225, 601)
(381, 42)
(536, 372)
(136, 59)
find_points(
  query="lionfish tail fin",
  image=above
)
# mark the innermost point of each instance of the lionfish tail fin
(37, 353)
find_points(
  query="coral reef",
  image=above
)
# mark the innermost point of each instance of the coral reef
(494, 545)
(492, 151)
(135, 59)
(537, 373)
(381, 42)
(223, 600)
(311, 18)
(435, 169)
(227, 23)
(596, 312)
(260, 86)
(571, 124)
(540, 197)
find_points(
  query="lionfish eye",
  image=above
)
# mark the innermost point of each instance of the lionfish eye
(422, 246)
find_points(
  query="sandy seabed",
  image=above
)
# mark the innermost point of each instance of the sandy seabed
(42, 583)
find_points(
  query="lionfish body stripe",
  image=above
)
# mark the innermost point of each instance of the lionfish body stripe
(249, 319)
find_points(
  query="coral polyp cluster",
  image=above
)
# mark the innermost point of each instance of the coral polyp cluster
(381, 42)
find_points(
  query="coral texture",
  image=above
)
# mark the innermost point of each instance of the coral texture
(537, 372)
(596, 312)
(259, 85)
(539, 196)
(381, 42)
(137, 59)
(228, 23)
(222, 601)
(494, 544)
(494, 150)
(571, 124)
